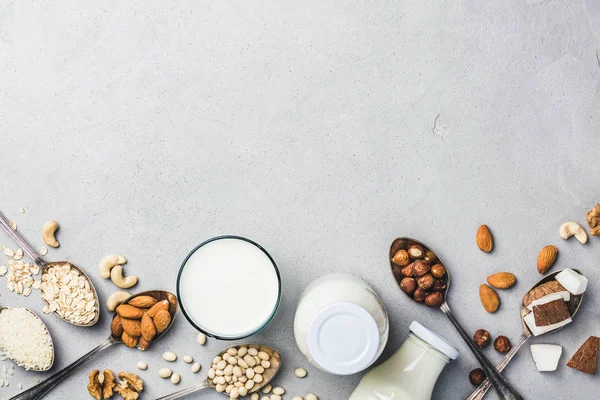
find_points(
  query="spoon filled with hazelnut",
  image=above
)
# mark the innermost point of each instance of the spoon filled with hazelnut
(423, 276)
(548, 291)
(139, 321)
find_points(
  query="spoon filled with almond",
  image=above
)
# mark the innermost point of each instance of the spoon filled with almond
(138, 322)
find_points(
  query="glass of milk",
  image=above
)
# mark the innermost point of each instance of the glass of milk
(229, 287)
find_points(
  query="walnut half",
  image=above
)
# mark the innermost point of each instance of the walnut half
(126, 392)
(593, 218)
(94, 387)
(108, 385)
(132, 380)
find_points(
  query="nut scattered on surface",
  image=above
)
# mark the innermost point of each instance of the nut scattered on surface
(188, 359)
(300, 372)
(196, 367)
(94, 387)
(502, 280)
(108, 262)
(489, 298)
(297, 398)
(482, 338)
(141, 365)
(311, 396)
(116, 299)
(484, 239)
(175, 378)
(116, 275)
(546, 258)
(593, 219)
(571, 228)
(502, 344)
(48, 233)
(169, 356)
(43, 251)
(477, 376)
(201, 339)
(165, 373)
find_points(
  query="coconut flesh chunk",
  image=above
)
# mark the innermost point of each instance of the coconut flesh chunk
(572, 281)
(565, 295)
(538, 330)
(546, 356)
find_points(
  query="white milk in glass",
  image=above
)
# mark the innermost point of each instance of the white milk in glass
(229, 288)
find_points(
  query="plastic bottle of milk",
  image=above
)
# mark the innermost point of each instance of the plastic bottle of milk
(411, 373)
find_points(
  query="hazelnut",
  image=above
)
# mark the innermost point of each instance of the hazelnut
(408, 285)
(482, 338)
(401, 258)
(430, 256)
(434, 299)
(502, 344)
(439, 285)
(419, 295)
(477, 376)
(426, 282)
(438, 271)
(416, 251)
(420, 268)
(408, 270)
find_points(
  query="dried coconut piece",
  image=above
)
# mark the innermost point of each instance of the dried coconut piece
(586, 358)
(542, 290)
(551, 313)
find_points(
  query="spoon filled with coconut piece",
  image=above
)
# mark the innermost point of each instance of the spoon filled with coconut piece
(66, 289)
(25, 339)
(237, 372)
(547, 307)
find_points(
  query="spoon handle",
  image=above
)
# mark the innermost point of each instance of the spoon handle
(480, 392)
(21, 242)
(181, 393)
(503, 388)
(42, 389)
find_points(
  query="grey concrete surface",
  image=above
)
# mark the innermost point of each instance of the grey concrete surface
(320, 129)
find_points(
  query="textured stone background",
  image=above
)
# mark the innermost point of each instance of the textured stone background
(320, 129)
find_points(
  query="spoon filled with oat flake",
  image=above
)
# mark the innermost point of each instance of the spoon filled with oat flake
(66, 289)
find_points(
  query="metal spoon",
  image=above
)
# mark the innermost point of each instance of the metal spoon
(45, 266)
(208, 383)
(42, 389)
(504, 389)
(573, 306)
(47, 332)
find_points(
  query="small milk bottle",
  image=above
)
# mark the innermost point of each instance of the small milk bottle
(411, 373)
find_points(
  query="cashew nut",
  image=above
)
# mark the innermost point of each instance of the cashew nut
(116, 299)
(108, 262)
(569, 229)
(48, 231)
(116, 274)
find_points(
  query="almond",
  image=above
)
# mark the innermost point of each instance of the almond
(142, 301)
(132, 327)
(502, 280)
(130, 312)
(148, 328)
(128, 340)
(489, 298)
(546, 258)
(162, 319)
(161, 305)
(116, 329)
(484, 239)
(144, 344)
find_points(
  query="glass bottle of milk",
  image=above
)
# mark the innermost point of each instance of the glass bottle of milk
(411, 373)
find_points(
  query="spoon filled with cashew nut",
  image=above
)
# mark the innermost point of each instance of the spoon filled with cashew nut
(66, 289)
(237, 371)
(138, 322)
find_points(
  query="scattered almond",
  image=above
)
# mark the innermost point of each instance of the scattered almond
(489, 298)
(502, 280)
(546, 258)
(484, 239)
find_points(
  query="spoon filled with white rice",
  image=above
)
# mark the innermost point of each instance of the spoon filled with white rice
(25, 339)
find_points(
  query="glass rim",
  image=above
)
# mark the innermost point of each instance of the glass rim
(211, 334)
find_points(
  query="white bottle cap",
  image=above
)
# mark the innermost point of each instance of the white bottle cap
(344, 339)
(433, 339)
